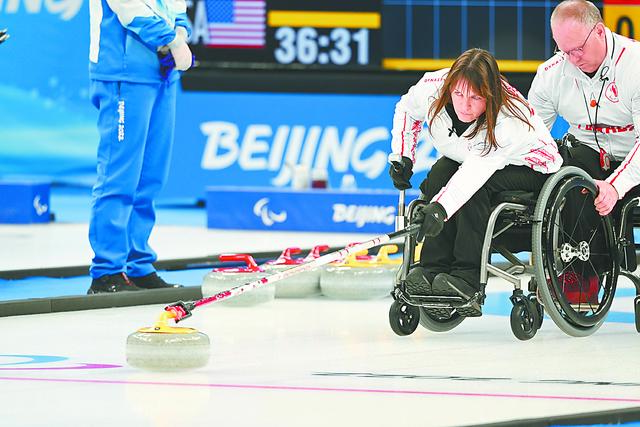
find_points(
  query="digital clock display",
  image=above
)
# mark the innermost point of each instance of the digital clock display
(335, 46)
(263, 34)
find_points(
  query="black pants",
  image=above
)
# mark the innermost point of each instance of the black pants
(458, 248)
(589, 160)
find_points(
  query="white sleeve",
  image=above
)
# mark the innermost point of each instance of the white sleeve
(474, 172)
(627, 175)
(409, 116)
(541, 101)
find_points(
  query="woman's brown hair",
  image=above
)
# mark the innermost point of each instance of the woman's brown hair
(479, 69)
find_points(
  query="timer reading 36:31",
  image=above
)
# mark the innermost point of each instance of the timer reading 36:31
(307, 46)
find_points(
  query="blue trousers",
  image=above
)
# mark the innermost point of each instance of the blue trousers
(136, 127)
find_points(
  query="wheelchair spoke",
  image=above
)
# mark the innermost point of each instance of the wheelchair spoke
(564, 270)
(592, 236)
(579, 216)
(559, 227)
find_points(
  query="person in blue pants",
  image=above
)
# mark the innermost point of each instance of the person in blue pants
(135, 93)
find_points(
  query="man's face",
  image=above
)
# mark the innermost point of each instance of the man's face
(584, 46)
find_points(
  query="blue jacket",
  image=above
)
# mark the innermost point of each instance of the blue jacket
(126, 34)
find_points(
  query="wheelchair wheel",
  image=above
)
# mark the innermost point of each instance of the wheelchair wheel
(435, 322)
(403, 318)
(574, 253)
(524, 323)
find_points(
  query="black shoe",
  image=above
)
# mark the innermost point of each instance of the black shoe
(417, 282)
(453, 285)
(152, 281)
(111, 283)
(446, 284)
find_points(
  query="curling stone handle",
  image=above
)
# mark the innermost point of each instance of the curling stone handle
(318, 249)
(383, 253)
(286, 254)
(246, 258)
(315, 252)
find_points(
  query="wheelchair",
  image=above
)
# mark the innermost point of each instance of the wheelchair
(519, 222)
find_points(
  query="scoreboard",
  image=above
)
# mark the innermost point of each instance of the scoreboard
(327, 34)
(379, 35)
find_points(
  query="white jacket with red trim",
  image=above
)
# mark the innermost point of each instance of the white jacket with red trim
(560, 88)
(519, 144)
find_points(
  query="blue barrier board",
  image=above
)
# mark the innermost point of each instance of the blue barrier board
(366, 211)
(24, 202)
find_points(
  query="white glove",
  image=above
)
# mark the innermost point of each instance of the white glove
(182, 32)
(181, 53)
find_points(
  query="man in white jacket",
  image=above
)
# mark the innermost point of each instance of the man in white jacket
(592, 82)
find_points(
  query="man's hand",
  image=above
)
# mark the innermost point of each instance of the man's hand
(606, 199)
(431, 216)
(181, 53)
(400, 171)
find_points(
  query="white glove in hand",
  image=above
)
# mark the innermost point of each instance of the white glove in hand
(181, 53)
(182, 33)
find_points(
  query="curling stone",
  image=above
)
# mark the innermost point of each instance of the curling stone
(167, 348)
(225, 278)
(301, 285)
(361, 276)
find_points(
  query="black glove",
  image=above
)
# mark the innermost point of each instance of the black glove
(431, 216)
(400, 173)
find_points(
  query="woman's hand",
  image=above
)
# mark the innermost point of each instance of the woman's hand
(400, 171)
(431, 216)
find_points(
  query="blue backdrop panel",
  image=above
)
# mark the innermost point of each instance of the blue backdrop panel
(367, 211)
(251, 139)
(47, 124)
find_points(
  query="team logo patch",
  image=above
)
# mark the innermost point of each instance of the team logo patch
(612, 92)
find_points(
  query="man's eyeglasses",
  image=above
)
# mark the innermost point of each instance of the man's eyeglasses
(579, 51)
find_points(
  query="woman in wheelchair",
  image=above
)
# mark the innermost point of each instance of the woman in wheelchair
(490, 140)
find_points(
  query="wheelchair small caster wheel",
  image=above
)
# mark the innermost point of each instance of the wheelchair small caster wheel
(524, 322)
(533, 300)
(636, 304)
(403, 318)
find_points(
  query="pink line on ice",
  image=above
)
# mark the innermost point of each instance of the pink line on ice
(328, 389)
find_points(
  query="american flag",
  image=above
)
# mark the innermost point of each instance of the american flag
(236, 23)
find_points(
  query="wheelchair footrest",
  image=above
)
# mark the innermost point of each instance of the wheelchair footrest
(436, 300)
(474, 310)
(437, 304)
